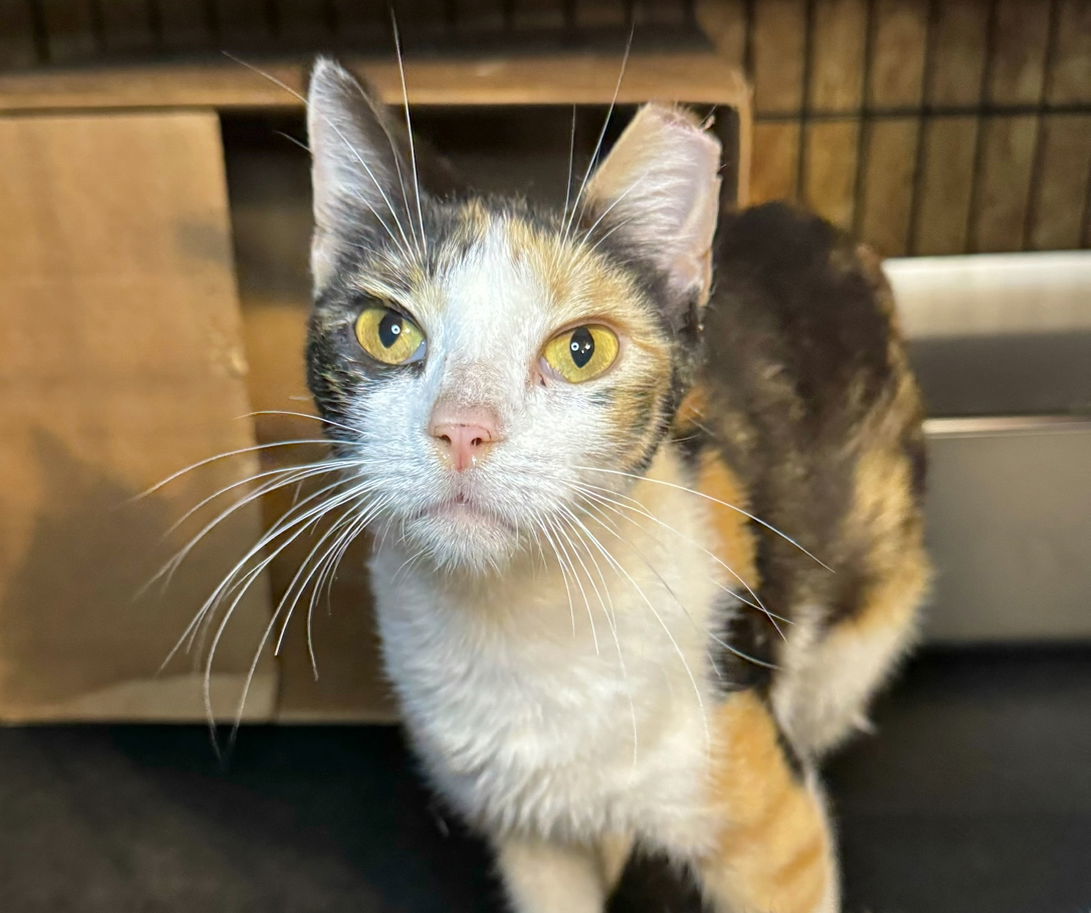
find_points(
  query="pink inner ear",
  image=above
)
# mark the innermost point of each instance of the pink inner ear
(661, 180)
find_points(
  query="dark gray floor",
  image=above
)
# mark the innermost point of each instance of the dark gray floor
(975, 796)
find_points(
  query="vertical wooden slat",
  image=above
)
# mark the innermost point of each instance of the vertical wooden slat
(1070, 76)
(958, 52)
(1019, 50)
(943, 210)
(1086, 240)
(830, 176)
(361, 25)
(534, 15)
(887, 184)
(778, 49)
(1056, 210)
(185, 26)
(724, 22)
(477, 17)
(71, 29)
(17, 45)
(423, 20)
(1003, 196)
(607, 13)
(897, 72)
(655, 13)
(126, 26)
(242, 23)
(302, 22)
(775, 162)
(837, 69)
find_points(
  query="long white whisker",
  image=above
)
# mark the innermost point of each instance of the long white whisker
(701, 494)
(359, 158)
(291, 520)
(305, 572)
(621, 196)
(638, 508)
(408, 125)
(571, 162)
(223, 456)
(289, 474)
(712, 636)
(611, 620)
(167, 571)
(602, 132)
(545, 527)
(310, 415)
(308, 520)
(587, 603)
(659, 618)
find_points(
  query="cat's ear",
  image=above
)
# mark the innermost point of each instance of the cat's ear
(659, 189)
(360, 179)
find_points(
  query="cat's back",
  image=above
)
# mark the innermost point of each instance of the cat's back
(809, 403)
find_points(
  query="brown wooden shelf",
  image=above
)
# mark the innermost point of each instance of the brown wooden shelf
(697, 77)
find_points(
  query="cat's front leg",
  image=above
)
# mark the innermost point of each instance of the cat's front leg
(545, 876)
(775, 849)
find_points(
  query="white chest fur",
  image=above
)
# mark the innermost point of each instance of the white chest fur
(565, 717)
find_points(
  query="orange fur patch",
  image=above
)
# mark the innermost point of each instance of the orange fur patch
(736, 546)
(775, 850)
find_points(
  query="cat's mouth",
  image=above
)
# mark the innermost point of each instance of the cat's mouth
(463, 509)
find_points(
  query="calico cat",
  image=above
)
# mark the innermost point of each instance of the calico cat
(646, 502)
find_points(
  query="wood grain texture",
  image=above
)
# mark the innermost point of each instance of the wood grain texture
(837, 69)
(123, 363)
(829, 180)
(887, 184)
(1004, 183)
(779, 39)
(1056, 217)
(899, 28)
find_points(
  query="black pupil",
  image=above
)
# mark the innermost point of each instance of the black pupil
(390, 328)
(582, 346)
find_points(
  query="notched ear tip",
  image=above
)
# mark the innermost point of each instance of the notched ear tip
(681, 122)
(661, 181)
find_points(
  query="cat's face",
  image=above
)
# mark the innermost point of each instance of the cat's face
(485, 363)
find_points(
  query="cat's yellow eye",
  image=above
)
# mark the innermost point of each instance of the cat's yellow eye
(389, 337)
(582, 353)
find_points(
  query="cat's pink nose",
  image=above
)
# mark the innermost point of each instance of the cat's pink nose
(466, 434)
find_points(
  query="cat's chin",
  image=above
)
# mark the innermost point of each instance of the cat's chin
(456, 536)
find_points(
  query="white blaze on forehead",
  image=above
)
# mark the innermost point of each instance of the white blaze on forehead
(495, 317)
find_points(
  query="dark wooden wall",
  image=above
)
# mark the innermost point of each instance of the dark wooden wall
(925, 126)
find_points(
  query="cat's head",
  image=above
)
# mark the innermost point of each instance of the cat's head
(491, 367)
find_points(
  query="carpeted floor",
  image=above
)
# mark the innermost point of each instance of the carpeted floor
(975, 796)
